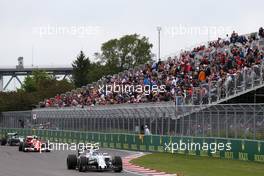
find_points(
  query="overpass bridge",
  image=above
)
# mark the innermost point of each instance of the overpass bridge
(21, 70)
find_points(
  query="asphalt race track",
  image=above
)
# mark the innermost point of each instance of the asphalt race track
(15, 163)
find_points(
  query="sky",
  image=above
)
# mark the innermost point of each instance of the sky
(52, 32)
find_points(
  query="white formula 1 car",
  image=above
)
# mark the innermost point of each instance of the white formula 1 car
(12, 139)
(93, 160)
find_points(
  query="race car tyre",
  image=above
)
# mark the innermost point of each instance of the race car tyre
(117, 163)
(3, 141)
(71, 162)
(47, 147)
(20, 148)
(82, 164)
(24, 147)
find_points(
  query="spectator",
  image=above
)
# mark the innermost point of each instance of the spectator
(234, 37)
(202, 75)
(147, 132)
(182, 76)
(261, 32)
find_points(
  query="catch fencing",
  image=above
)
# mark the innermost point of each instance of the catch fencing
(244, 121)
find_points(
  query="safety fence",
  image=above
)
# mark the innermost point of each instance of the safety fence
(226, 121)
(248, 150)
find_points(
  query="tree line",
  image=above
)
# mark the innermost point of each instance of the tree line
(116, 55)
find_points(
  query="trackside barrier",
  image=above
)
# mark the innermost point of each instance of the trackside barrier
(248, 150)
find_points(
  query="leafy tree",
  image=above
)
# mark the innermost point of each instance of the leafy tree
(124, 53)
(54, 87)
(33, 82)
(81, 68)
(35, 88)
(29, 84)
(97, 71)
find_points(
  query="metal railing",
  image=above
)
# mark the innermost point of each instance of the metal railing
(229, 121)
(214, 92)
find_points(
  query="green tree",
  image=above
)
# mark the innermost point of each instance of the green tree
(33, 82)
(81, 67)
(35, 88)
(97, 71)
(125, 53)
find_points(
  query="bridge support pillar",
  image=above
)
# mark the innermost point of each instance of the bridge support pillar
(1, 83)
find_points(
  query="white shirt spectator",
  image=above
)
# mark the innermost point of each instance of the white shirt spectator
(147, 132)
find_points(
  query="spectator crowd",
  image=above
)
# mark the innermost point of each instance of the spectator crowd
(183, 76)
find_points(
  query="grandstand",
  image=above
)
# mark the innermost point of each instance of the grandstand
(217, 73)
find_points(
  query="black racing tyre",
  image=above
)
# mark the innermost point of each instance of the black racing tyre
(3, 141)
(98, 169)
(24, 147)
(20, 148)
(46, 147)
(11, 143)
(71, 162)
(47, 150)
(82, 164)
(118, 164)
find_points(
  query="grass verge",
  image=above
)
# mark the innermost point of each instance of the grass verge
(188, 165)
